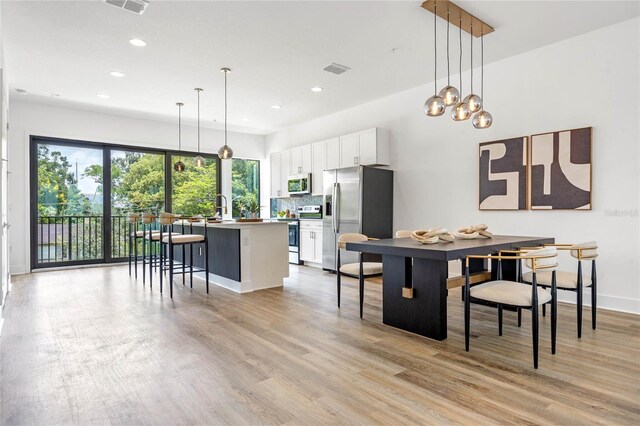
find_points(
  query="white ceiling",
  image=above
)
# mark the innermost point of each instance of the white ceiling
(276, 51)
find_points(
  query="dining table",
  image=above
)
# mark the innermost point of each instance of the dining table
(416, 278)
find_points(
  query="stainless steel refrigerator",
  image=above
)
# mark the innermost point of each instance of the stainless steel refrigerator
(356, 199)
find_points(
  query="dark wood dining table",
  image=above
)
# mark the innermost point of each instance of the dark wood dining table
(415, 276)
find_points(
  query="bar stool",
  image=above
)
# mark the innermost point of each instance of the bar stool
(574, 281)
(154, 239)
(170, 241)
(133, 219)
(148, 221)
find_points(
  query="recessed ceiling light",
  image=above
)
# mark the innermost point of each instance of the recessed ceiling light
(316, 89)
(245, 119)
(276, 106)
(137, 42)
(103, 96)
(116, 74)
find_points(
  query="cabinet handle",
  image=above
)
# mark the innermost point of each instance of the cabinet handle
(299, 169)
(279, 192)
(356, 160)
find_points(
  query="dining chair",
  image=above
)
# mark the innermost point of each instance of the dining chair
(360, 270)
(515, 294)
(574, 281)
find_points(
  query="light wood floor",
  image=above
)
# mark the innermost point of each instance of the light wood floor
(95, 346)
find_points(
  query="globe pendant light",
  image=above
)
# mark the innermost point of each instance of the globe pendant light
(198, 161)
(474, 101)
(449, 94)
(461, 110)
(482, 119)
(179, 165)
(434, 106)
(225, 153)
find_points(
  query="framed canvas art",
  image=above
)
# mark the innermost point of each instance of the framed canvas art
(503, 174)
(560, 170)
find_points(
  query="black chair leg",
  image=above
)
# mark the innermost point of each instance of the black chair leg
(361, 282)
(554, 322)
(184, 264)
(130, 249)
(594, 294)
(534, 332)
(135, 257)
(519, 317)
(161, 265)
(171, 270)
(467, 314)
(206, 263)
(191, 265)
(151, 255)
(499, 320)
(338, 278)
(544, 310)
(579, 299)
(144, 256)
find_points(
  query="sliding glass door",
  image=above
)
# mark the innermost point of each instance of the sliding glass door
(69, 217)
(137, 185)
(82, 191)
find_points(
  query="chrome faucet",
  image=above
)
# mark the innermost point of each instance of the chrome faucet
(215, 205)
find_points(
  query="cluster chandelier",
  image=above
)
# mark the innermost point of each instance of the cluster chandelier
(450, 96)
(225, 152)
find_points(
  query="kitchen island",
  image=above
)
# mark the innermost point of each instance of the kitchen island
(243, 256)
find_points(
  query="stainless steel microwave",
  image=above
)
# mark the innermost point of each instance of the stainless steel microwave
(299, 184)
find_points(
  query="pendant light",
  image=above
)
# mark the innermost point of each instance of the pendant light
(474, 101)
(198, 161)
(449, 94)
(434, 106)
(179, 165)
(482, 119)
(461, 110)
(225, 153)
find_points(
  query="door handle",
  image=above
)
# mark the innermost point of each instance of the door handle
(336, 214)
(334, 207)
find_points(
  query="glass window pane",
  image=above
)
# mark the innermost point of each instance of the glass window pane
(69, 210)
(194, 189)
(245, 187)
(137, 185)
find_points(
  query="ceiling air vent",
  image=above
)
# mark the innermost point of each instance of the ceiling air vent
(135, 6)
(336, 68)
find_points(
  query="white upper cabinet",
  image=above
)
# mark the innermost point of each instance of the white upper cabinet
(319, 165)
(332, 154)
(349, 150)
(284, 172)
(276, 174)
(366, 148)
(300, 160)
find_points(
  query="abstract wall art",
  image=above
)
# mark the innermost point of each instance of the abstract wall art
(560, 170)
(503, 174)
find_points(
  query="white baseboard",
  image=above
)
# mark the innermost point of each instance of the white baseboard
(611, 303)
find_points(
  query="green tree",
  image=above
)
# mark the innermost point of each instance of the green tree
(245, 184)
(54, 179)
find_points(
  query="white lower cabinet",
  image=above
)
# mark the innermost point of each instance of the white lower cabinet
(311, 241)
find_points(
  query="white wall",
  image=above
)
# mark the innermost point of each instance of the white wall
(29, 118)
(590, 80)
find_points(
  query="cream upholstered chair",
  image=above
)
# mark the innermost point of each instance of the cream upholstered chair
(403, 233)
(574, 281)
(517, 295)
(359, 270)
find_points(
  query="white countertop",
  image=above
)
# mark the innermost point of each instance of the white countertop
(232, 224)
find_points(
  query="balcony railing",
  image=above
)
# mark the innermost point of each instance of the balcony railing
(79, 238)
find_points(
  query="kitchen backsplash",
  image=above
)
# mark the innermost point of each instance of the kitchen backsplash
(292, 203)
